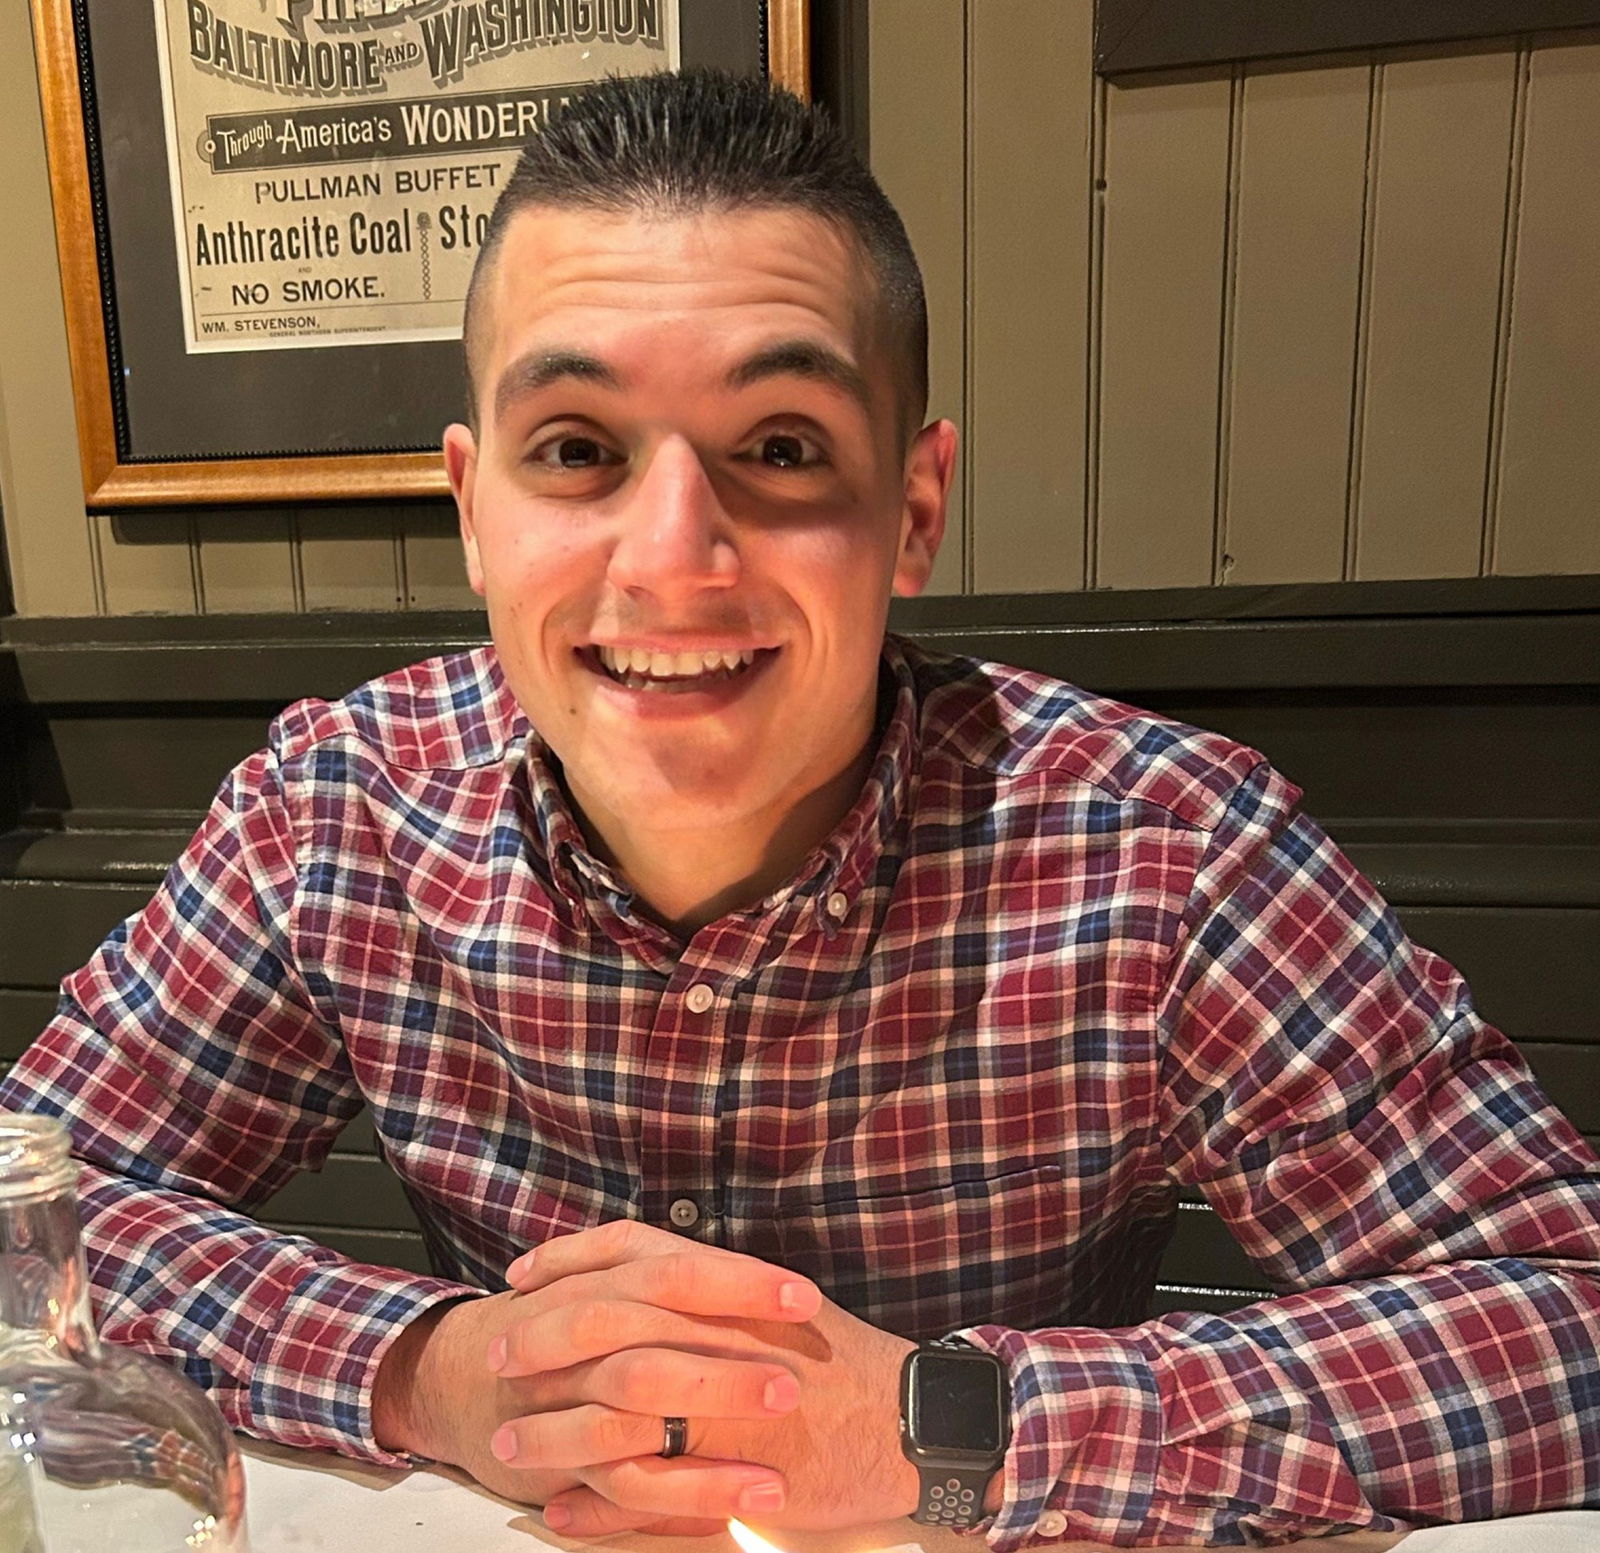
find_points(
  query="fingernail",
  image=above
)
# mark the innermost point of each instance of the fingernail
(520, 1267)
(782, 1394)
(504, 1442)
(557, 1517)
(761, 1496)
(497, 1354)
(793, 1296)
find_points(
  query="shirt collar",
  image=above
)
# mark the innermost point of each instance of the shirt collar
(578, 873)
(830, 879)
(846, 861)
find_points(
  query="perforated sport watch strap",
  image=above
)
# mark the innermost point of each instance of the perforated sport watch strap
(952, 1498)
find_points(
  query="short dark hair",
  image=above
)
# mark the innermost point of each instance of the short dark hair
(676, 143)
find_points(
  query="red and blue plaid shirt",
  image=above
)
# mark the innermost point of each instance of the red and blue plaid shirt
(1060, 960)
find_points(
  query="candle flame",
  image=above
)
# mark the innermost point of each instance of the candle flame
(751, 1541)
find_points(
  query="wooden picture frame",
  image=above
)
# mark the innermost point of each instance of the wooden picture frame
(1137, 35)
(114, 476)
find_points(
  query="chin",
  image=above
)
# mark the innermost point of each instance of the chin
(686, 801)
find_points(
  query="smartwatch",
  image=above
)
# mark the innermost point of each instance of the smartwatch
(955, 1423)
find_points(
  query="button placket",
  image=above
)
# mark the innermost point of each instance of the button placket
(678, 1138)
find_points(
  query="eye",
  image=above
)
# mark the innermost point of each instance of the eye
(788, 450)
(573, 452)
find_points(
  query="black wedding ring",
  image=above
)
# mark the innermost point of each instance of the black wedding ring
(675, 1439)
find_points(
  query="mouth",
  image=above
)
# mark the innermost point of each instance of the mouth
(652, 669)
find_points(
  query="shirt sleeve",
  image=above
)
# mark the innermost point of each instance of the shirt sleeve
(1430, 1220)
(197, 1073)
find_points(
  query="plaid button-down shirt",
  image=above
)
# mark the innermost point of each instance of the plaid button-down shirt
(1061, 959)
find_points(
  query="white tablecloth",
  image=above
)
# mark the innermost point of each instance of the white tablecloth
(302, 1502)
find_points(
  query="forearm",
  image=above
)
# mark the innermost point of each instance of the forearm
(1374, 1145)
(286, 1335)
(283, 1333)
(1452, 1394)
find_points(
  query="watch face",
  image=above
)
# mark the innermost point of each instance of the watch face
(957, 1405)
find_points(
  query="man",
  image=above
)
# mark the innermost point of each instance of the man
(758, 995)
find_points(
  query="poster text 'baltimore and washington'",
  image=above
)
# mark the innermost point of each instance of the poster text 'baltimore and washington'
(333, 163)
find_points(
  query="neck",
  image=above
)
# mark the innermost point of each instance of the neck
(688, 875)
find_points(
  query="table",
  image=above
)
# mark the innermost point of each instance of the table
(307, 1502)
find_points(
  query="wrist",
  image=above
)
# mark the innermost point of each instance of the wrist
(907, 1488)
(402, 1415)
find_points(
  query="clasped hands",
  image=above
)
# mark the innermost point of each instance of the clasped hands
(554, 1392)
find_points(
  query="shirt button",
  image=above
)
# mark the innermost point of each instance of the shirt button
(1052, 1524)
(700, 998)
(685, 1214)
(838, 906)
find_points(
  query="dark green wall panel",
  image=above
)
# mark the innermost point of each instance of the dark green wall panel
(48, 928)
(1533, 972)
(23, 1014)
(351, 1191)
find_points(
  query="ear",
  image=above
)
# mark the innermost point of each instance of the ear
(461, 466)
(930, 466)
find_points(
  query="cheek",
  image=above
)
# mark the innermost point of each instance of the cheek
(846, 570)
(542, 577)
(533, 560)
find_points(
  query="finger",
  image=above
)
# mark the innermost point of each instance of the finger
(606, 1245)
(688, 1487)
(629, 1394)
(690, 1385)
(702, 1281)
(576, 1437)
(571, 1334)
(583, 1513)
(662, 1381)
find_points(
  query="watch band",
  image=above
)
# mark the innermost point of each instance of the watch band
(954, 1428)
(951, 1497)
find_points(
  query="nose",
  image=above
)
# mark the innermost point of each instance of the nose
(675, 539)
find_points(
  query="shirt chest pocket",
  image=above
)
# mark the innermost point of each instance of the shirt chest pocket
(925, 1263)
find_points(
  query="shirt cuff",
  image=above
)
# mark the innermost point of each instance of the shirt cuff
(1086, 1431)
(312, 1384)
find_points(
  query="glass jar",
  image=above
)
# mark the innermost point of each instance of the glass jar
(101, 1449)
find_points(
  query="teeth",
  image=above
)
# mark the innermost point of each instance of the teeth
(672, 665)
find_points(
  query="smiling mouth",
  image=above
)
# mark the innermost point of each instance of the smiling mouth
(645, 668)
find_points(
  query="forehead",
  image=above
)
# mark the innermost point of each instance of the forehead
(586, 277)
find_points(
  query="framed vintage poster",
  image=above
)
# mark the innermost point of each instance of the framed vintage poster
(267, 213)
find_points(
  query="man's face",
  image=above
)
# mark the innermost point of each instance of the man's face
(688, 503)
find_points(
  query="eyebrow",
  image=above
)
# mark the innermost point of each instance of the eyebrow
(807, 359)
(787, 358)
(539, 369)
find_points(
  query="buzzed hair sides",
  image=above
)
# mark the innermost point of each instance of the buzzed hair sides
(673, 144)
